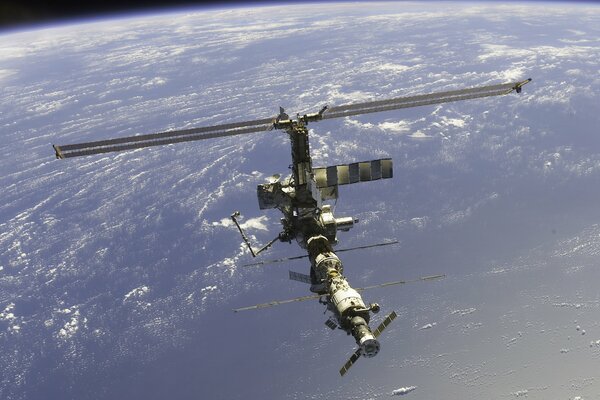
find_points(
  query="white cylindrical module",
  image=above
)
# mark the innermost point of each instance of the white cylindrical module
(345, 302)
(369, 345)
(325, 261)
(346, 299)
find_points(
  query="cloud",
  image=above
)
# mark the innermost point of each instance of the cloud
(7, 314)
(253, 223)
(386, 68)
(492, 51)
(5, 73)
(158, 81)
(420, 135)
(420, 222)
(391, 67)
(561, 94)
(445, 122)
(357, 124)
(72, 326)
(137, 292)
(398, 126)
(466, 311)
(339, 97)
(403, 390)
(205, 291)
(428, 326)
(521, 393)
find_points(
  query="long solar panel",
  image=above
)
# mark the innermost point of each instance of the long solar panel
(297, 276)
(448, 93)
(316, 296)
(277, 303)
(355, 356)
(384, 324)
(424, 278)
(345, 174)
(240, 128)
(420, 100)
(161, 138)
(260, 263)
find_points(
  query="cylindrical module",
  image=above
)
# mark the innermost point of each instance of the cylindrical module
(345, 302)
(369, 345)
(346, 299)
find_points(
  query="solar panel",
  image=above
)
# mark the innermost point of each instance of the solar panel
(260, 263)
(297, 276)
(161, 138)
(362, 171)
(355, 174)
(350, 362)
(425, 278)
(276, 303)
(331, 324)
(384, 324)
(419, 100)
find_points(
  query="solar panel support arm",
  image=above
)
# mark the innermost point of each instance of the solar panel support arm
(254, 253)
(519, 86)
(58, 152)
(306, 118)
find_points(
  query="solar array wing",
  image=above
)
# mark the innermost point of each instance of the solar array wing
(297, 276)
(316, 296)
(345, 174)
(422, 100)
(350, 362)
(384, 324)
(260, 263)
(240, 128)
(276, 303)
(424, 278)
(331, 324)
(161, 138)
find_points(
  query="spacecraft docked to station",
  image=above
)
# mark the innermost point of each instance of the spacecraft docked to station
(302, 199)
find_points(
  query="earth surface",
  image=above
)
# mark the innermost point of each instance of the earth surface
(118, 272)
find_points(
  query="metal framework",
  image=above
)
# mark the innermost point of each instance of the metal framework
(301, 196)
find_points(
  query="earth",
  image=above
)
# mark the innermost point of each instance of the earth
(119, 272)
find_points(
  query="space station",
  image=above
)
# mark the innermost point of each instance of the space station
(304, 200)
